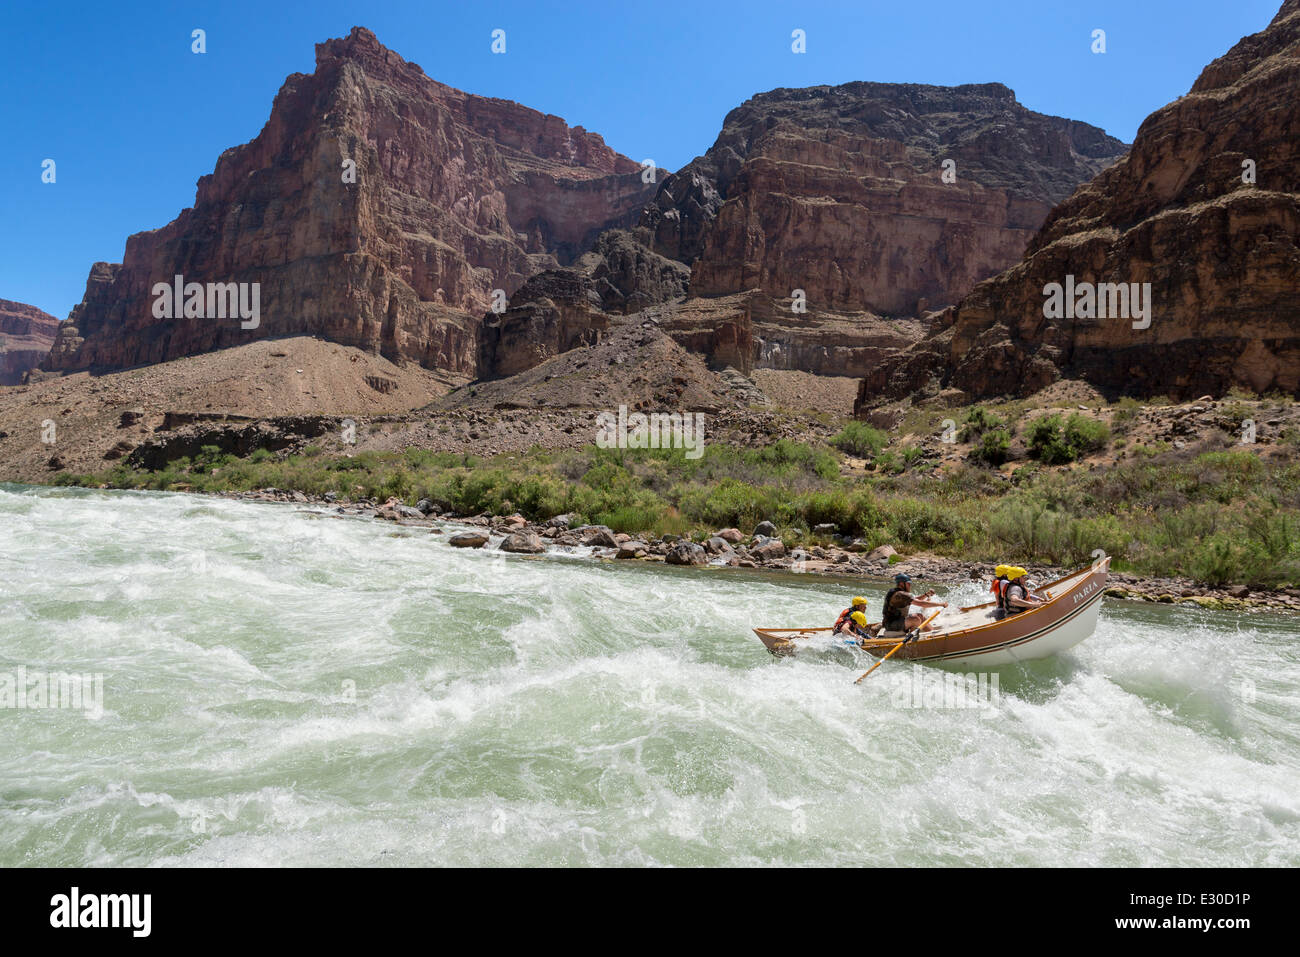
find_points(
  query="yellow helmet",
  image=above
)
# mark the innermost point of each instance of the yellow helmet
(859, 601)
(1015, 571)
(1000, 570)
(859, 619)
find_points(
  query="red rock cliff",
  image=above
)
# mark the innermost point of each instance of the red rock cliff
(1222, 255)
(26, 334)
(839, 191)
(455, 195)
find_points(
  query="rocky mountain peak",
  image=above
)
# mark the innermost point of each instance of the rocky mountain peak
(1202, 218)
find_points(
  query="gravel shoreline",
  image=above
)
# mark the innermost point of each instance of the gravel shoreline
(759, 550)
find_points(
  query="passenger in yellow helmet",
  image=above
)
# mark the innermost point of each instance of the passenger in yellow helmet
(842, 623)
(1000, 583)
(857, 627)
(1016, 597)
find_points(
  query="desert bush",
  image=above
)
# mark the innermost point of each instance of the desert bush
(978, 422)
(994, 447)
(1056, 441)
(860, 439)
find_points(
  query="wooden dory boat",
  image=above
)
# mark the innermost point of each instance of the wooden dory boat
(974, 635)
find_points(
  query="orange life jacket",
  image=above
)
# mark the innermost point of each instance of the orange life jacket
(1004, 608)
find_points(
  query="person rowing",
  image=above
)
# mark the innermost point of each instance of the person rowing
(898, 615)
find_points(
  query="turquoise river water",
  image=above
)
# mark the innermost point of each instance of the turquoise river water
(278, 685)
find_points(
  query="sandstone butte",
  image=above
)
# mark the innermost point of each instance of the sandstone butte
(26, 334)
(454, 196)
(837, 191)
(1222, 256)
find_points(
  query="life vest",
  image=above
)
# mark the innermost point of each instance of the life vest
(1004, 608)
(999, 589)
(844, 616)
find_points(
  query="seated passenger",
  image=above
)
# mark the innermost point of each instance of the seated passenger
(842, 622)
(1017, 596)
(858, 627)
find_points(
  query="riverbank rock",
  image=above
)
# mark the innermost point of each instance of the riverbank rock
(769, 550)
(732, 536)
(396, 511)
(764, 530)
(632, 550)
(524, 543)
(717, 545)
(598, 536)
(468, 540)
(686, 553)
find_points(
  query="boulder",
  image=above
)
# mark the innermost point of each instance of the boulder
(686, 553)
(732, 536)
(769, 550)
(764, 530)
(468, 540)
(119, 449)
(598, 536)
(881, 554)
(524, 543)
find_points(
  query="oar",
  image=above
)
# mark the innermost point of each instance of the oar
(910, 636)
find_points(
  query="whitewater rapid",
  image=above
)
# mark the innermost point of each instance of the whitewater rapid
(286, 686)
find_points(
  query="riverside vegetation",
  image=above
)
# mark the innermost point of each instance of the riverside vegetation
(1220, 513)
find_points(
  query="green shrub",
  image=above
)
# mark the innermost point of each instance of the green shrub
(860, 439)
(1056, 441)
(980, 421)
(994, 447)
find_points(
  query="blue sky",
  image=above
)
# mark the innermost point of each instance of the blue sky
(132, 118)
